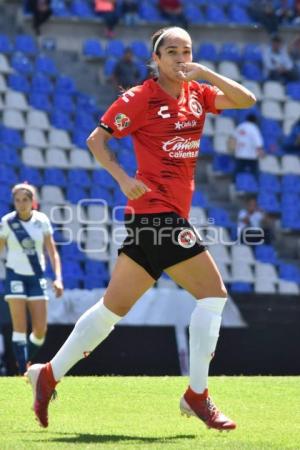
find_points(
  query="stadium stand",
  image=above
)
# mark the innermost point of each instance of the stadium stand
(46, 119)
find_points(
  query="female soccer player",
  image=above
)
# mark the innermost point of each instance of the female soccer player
(165, 117)
(25, 232)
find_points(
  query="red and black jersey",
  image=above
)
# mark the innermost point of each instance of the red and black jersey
(166, 136)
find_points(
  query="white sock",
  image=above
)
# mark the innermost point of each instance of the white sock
(90, 330)
(36, 341)
(204, 332)
(19, 337)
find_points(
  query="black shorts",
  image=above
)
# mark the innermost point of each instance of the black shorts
(160, 240)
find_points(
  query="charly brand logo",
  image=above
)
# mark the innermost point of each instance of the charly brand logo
(186, 238)
(185, 124)
(195, 107)
(122, 121)
(178, 147)
(163, 112)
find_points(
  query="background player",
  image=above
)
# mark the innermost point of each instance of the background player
(25, 232)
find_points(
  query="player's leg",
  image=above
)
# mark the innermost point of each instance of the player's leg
(38, 314)
(129, 281)
(200, 277)
(17, 308)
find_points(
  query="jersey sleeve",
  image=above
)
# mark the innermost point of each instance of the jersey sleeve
(209, 94)
(46, 226)
(4, 229)
(127, 114)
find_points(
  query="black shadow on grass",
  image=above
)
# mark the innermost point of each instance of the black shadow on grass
(84, 438)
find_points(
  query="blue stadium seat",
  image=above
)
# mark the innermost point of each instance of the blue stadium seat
(206, 146)
(223, 163)
(269, 202)
(32, 175)
(289, 200)
(79, 138)
(220, 217)
(11, 137)
(99, 192)
(215, 14)
(96, 268)
(81, 9)
(208, 51)
(102, 178)
(269, 183)
(5, 193)
(265, 253)
(64, 102)
(21, 63)
(40, 101)
(290, 219)
(115, 49)
(271, 128)
(193, 14)
(75, 193)
(5, 208)
(289, 272)
(246, 182)
(26, 44)
(238, 15)
(59, 8)
(72, 268)
(140, 50)
(40, 83)
(71, 282)
(94, 282)
(252, 53)
(18, 83)
(252, 71)
(6, 45)
(119, 199)
(62, 120)
(293, 90)
(7, 175)
(290, 183)
(46, 65)
(92, 48)
(149, 13)
(84, 121)
(126, 143)
(55, 177)
(65, 85)
(239, 286)
(79, 177)
(109, 67)
(87, 103)
(229, 52)
(71, 251)
(199, 200)
(9, 156)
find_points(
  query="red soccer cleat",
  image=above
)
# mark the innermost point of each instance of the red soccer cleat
(41, 378)
(201, 406)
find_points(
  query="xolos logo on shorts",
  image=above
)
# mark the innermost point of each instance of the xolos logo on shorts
(122, 121)
(186, 238)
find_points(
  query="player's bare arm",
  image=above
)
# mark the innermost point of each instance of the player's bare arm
(97, 143)
(2, 244)
(233, 94)
(56, 265)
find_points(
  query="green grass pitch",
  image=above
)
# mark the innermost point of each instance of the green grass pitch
(142, 413)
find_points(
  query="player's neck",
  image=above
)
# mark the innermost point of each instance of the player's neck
(24, 216)
(173, 89)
